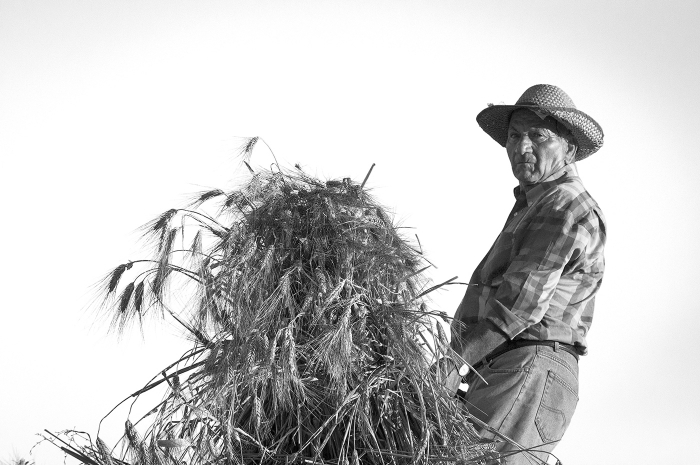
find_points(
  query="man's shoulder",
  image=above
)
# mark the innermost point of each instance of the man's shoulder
(570, 195)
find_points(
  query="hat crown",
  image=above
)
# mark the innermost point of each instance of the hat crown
(545, 95)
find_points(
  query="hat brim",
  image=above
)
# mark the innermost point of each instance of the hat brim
(495, 119)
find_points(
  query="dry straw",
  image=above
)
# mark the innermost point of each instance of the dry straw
(312, 343)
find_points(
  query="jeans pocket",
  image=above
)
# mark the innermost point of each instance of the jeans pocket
(514, 361)
(556, 408)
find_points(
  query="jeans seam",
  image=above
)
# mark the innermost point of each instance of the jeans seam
(517, 398)
(563, 382)
(525, 369)
(559, 362)
(515, 370)
(538, 421)
(540, 424)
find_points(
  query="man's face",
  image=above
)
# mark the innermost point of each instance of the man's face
(534, 148)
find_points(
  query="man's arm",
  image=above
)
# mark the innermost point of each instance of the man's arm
(556, 238)
(523, 295)
(478, 341)
(474, 344)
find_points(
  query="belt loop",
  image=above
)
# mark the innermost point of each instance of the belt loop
(556, 346)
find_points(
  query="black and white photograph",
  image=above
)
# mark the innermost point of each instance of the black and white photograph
(349, 232)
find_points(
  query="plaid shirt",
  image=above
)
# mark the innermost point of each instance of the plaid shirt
(540, 278)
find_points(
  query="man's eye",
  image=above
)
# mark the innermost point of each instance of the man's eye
(538, 135)
(513, 135)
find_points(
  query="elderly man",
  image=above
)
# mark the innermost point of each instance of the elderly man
(523, 321)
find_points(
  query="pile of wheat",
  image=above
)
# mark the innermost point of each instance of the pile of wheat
(312, 340)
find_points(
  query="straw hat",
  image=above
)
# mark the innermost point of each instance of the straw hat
(545, 100)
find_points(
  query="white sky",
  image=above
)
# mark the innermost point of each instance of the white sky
(111, 112)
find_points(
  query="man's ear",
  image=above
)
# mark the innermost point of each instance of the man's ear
(571, 150)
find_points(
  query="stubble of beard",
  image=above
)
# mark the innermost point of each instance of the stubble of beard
(525, 173)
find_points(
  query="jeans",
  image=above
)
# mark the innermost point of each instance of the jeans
(531, 396)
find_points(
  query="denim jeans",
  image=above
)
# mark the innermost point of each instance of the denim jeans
(531, 396)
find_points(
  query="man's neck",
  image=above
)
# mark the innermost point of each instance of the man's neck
(569, 170)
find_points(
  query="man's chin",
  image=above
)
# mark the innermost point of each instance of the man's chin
(526, 177)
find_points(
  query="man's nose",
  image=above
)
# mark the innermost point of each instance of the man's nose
(524, 144)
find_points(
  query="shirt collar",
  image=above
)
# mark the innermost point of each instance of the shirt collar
(534, 191)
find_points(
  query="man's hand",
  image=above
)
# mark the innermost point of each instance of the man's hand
(476, 342)
(448, 373)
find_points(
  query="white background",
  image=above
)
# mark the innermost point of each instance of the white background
(112, 112)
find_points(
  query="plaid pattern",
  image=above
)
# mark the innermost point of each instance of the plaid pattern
(540, 278)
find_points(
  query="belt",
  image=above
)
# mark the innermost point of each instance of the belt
(510, 345)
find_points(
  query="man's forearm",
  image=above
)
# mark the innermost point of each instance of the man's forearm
(478, 341)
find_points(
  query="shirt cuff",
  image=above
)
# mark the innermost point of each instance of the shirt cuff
(506, 321)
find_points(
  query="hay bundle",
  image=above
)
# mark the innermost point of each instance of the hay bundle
(310, 334)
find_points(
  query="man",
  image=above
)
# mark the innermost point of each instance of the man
(523, 321)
